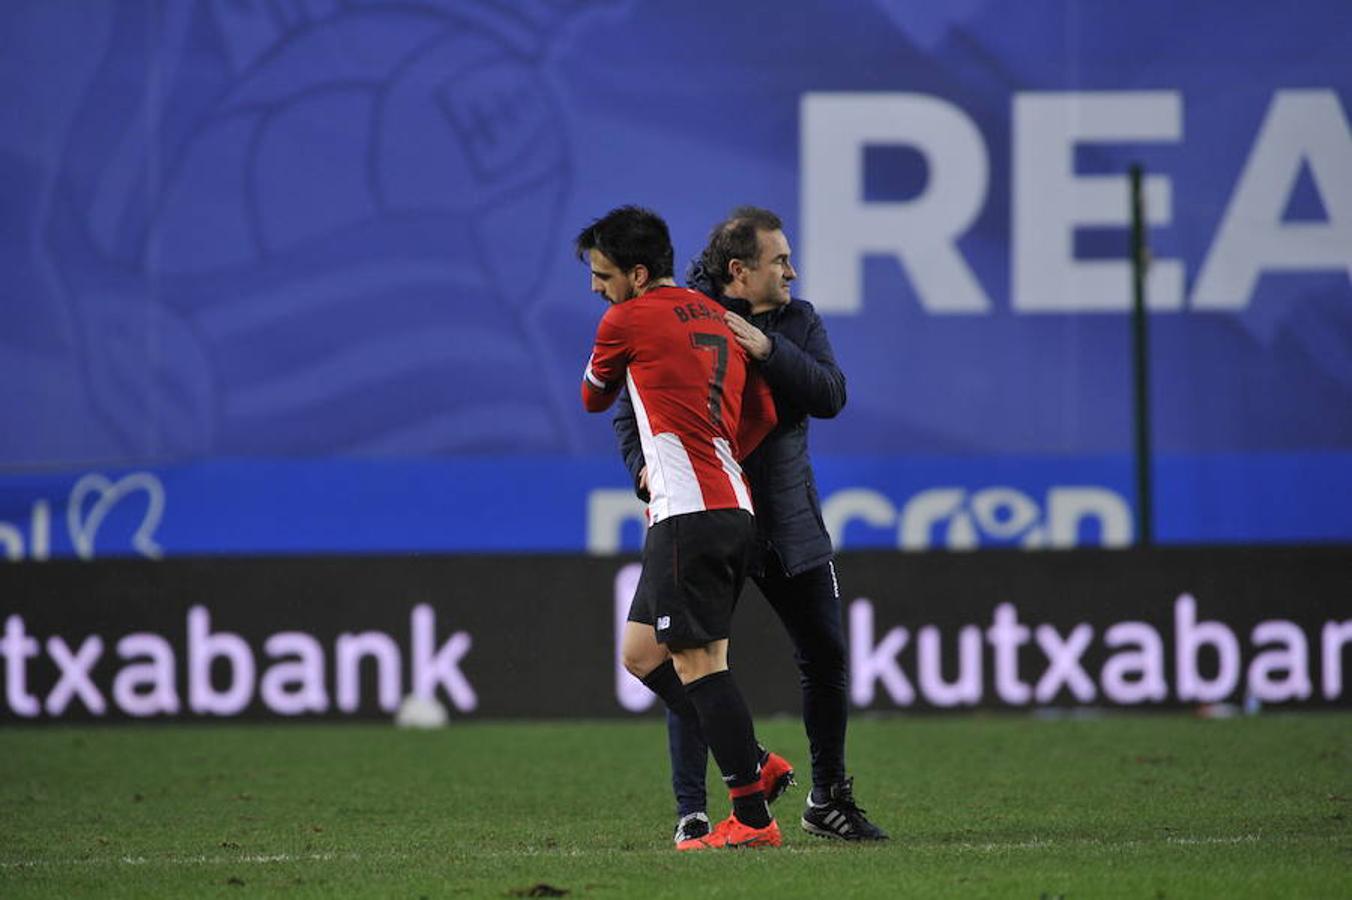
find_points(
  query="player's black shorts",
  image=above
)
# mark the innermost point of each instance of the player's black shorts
(694, 566)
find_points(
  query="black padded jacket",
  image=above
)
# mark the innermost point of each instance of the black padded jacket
(806, 382)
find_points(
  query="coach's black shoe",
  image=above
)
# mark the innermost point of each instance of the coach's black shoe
(692, 827)
(839, 817)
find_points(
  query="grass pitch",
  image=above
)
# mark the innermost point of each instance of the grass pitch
(1129, 806)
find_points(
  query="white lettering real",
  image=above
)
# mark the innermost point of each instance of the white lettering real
(1050, 201)
(1302, 128)
(840, 228)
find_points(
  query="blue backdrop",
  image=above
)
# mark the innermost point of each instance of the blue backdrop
(294, 276)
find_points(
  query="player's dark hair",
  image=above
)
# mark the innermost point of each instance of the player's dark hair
(736, 237)
(630, 236)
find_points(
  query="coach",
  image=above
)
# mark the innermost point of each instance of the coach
(746, 267)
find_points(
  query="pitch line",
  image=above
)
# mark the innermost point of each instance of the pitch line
(1044, 844)
(252, 858)
(988, 847)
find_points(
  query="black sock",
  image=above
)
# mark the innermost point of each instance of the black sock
(726, 722)
(664, 682)
(751, 809)
(685, 739)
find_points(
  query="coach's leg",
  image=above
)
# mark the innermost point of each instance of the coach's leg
(649, 662)
(809, 606)
(726, 723)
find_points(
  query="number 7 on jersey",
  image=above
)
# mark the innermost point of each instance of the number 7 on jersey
(718, 345)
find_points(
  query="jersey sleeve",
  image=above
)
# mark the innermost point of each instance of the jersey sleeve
(758, 413)
(604, 375)
(806, 374)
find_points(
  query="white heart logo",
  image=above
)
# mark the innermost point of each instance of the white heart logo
(83, 528)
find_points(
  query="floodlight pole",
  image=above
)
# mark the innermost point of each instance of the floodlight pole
(1140, 263)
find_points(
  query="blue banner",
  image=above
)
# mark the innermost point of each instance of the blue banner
(547, 504)
(306, 264)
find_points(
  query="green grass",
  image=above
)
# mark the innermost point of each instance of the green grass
(1122, 806)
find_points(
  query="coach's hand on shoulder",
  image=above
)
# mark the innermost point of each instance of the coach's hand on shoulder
(753, 340)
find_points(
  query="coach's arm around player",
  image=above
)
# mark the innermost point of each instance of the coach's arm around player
(746, 267)
(804, 375)
(696, 398)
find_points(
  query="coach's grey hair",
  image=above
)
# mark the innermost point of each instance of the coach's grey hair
(733, 238)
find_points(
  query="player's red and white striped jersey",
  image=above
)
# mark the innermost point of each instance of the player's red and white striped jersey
(700, 406)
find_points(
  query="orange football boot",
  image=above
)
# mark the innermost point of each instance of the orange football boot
(776, 776)
(732, 834)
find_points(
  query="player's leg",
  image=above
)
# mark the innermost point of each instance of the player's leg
(689, 765)
(705, 561)
(714, 550)
(650, 662)
(726, 722)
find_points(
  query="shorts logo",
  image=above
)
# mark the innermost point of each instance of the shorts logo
(663, 623)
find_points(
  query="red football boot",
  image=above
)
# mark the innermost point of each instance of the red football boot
(776, 776)
(732, 834)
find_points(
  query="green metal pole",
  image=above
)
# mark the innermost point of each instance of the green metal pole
(1140, 264)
